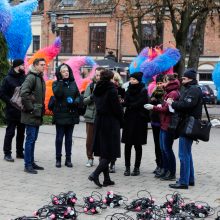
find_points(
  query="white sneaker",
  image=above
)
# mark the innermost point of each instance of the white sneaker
(89, 163)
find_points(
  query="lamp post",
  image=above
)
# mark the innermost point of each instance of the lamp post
(56, 30)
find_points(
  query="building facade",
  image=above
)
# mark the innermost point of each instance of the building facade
(90, 34)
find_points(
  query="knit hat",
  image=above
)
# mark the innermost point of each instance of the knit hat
(159, 78)
(190, 73)
(17, 62)
(137, 75)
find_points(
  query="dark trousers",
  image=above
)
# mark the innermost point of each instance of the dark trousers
(138, 155)
(61, 131)
(166, 144)
(102, 168)
(156, 136)
(10, 133)
(31, 137)
(89, 140)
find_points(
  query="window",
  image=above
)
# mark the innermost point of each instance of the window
(68, 2)
(36, 43)
(66, 34)
(149, 35)
(97, 40)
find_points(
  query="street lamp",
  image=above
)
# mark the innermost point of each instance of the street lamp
(55, 29)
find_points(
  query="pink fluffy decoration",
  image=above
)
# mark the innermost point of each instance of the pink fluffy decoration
(75, 64)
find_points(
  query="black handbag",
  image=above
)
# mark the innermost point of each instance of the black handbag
(198, 129)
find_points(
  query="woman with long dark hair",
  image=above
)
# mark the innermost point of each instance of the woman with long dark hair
(109, 116)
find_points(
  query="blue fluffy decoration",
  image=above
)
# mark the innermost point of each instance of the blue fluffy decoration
(160, 64)
(90, 61)
(5, 15)
(216, 79)
(136, 63)
(216, 75)
(19, 35)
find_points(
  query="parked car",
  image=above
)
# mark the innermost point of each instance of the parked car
(211, 85)
(208, 94)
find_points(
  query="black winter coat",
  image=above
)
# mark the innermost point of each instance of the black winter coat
(65, 113)
(10, 82)
(190, 102)
(136, 116)
(109, 116)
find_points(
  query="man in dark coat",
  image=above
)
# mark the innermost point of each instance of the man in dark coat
(15, 78)
(108, 121)
(189, 104)
(32, 96)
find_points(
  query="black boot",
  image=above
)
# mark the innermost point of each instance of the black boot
(107, 181)
(127, 171)
(58, 162)
(68, 162)
(135, 172)
(95, 179)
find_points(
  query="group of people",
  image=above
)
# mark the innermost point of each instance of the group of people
(109, 108)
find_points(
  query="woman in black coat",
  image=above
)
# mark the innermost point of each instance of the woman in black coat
(135, 122)
(65, 110)
(109, 116)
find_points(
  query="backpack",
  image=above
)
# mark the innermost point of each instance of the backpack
(16, 99)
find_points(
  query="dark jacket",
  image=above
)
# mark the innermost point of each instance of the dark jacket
(136, 116)
(10, 82)
(172, 91)
(155, 99)
(65, 113)
(32, 96)
(106, 142)
(190, 102)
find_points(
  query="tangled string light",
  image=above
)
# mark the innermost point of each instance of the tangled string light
(63, 206)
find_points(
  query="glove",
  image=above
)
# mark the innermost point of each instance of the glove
(69, 100)
(148, 106)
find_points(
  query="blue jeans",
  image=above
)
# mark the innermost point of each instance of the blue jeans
(186, 161)
(31, 137)
(62, 130)
(168, 156)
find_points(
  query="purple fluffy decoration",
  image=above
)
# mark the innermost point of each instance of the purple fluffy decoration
(57, 42)
(160, 64)
(5, 15)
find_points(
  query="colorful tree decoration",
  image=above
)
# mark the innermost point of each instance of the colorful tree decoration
(75, 64)
(5, 15)
(18, 32)
(160, 63)
(136, 63)
(48, 53)
(216, 79)
(49, 93)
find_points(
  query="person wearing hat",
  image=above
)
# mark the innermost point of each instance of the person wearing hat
(135, 122)
(15, 78)
(156, 99)
(189, 104)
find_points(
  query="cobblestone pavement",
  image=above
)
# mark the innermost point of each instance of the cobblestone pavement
(22, 193)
